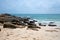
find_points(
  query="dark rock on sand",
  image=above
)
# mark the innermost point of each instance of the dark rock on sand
(40, 24)
(32, 25)
(8, 25)
(52, 24)
(2, 21)
(0, 29)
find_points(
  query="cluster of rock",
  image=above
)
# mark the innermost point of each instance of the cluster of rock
(10, 21)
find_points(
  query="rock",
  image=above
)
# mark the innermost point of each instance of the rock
(32, 25)
(2, 21)
(25, 20)
(14, 20)
(19, 23)
(0, 29)
(8, 25)
(52, 24)
(6, 14)
(34, 20)
(40, 24)
(9, 18)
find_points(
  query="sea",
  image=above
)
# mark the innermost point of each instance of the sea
(42, 17)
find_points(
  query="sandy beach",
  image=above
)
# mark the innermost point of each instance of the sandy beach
(29, 19)
(45, 33)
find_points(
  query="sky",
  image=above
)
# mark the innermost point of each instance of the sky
(30, 6)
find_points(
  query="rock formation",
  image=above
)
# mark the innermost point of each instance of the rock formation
(14, 20)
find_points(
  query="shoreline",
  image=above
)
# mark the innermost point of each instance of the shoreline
(25, 20)
(13, 30)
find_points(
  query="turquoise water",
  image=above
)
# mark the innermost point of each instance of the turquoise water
(45, 17)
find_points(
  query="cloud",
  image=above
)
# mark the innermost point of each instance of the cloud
(30, 6)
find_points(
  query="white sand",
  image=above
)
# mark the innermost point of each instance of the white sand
(45, 33)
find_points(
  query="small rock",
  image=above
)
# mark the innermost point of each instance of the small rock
(0, 29)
